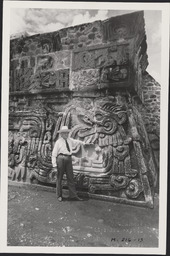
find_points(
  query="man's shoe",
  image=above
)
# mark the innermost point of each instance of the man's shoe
(60, 199)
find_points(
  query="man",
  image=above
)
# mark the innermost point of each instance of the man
(62, 162)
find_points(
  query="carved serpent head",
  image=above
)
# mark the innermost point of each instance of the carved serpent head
(103, 120)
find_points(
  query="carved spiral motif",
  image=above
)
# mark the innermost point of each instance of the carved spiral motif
(106, 126)
(119, 182)
(134, 189)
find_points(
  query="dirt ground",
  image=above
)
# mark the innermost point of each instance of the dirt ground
(36, 218)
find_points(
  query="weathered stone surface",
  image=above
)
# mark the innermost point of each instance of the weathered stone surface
(81, 36)
(49, 70)
(45, 62)
(123, 27)
(85, 78)
(37, 44)
(54, 61)
(101, 56)
(114, 73)
(26, 80)
(21, 79)
(151, 99)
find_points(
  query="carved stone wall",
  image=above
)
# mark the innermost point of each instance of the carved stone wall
(149, 107)
(91, 78)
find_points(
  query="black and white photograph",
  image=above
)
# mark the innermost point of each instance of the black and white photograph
(85, 114)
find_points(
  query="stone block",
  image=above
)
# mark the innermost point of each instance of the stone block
(94, 29)
(85, 28)
(63, 33)
(117, 28)
(54, 61)
(67, 41)
(62, 60)
(83, 60)
(84, 79)
(100, 56)
(83, 38)
(51, 80)
(37, 44)
(45, 62)
(92, 57)
(85, 34)
(96, 41)
(114, 73)
(78, 34)
(80, 45)
(33, 46)
(26, 49)
(91, 36)
(24, 79)
(21, 79)
(74, 41)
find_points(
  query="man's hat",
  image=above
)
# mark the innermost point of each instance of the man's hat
(64, 129)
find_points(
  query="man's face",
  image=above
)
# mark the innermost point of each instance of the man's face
(64, 135)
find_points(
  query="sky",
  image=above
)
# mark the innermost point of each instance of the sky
(37, 20)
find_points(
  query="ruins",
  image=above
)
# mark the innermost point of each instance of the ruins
(92, 78)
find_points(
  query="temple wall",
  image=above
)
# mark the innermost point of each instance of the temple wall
(82, 51)
(148, 106)
(91, 77)
(151, 99)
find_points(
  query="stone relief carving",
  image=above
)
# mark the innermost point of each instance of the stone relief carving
(26, 80)
(111, 163)
(114, 73)
(147, 149)
(17, 154)
(154, 142)
(44, 62)
(118, 29)
(134, 188)
(104, 126)
(36, 44)
(21, 79)
(92, 58)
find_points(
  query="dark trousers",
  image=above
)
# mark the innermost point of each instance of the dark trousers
(64, 165)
